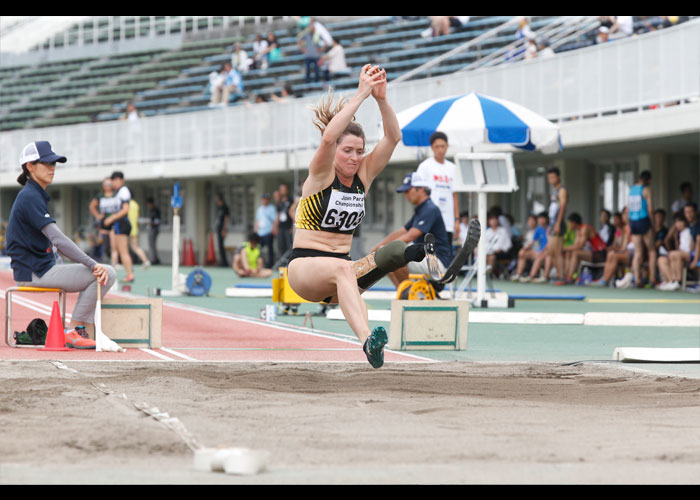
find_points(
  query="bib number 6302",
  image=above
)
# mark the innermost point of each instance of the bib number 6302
(343, 220)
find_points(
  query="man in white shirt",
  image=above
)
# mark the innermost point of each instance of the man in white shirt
(441, 172)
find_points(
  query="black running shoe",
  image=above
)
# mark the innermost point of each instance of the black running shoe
(374, 347)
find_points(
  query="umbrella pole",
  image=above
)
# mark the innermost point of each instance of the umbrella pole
(481, 258)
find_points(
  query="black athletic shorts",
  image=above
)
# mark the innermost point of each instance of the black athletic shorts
(309, 252)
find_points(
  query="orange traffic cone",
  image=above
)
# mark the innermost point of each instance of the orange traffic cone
(211, 253)
(55, 337)
(188, 259)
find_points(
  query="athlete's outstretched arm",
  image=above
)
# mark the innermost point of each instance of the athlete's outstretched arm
(381, 154)
(322, 162)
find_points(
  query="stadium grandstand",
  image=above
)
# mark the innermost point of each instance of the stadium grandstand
(625, 101)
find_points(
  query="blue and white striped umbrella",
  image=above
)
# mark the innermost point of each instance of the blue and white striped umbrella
(473, 119)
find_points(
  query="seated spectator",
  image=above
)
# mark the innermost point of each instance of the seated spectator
(622, 27)
(223, 84)
(602, 36)
(544, 51)
(498, 242)
(240, 59)
(439, 25)
(260, 53)
(686, 197)
(669, 279)
(606, 230)
(333, 62)
(285, 94)
(247, 261)
(588, 246)
(274, 52)
(533, 249)
(660, 228)
(619, 254)
(688, 229)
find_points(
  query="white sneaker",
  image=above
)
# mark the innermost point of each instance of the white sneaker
(625, 282)
(515, 277)
(540, 279)
(525, 279)
(662, 286)
(146, 265)
(674, 285)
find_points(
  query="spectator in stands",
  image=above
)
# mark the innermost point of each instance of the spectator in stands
(285, 94)
(312, 46)
(274, 52)
(222, 84)
(557, 225)
(524, 31)
(260, 53)
(439, 171)
(606, 230)
(686, 197)
(530, 49)
(544, 51)
(222, 220)
(588, 246)
(131, 113)
(323, 32)
(643, 235)
(533, 247)
(247, 262)
(619, 254)
(602, 36)
(240, 59)
(622, 27)
(153, 229)
(333, 62)
(671, 265)
(265, 217)
(283, 222)
(439, 25)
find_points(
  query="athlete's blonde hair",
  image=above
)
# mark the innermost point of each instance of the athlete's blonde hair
(326, 109)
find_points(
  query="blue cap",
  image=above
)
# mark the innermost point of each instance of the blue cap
(39, 151)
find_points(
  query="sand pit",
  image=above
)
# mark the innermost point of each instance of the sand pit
(436, 423)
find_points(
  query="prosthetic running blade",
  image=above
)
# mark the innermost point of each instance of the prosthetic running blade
(470, 243)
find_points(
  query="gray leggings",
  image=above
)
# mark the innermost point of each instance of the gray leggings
(75, 278)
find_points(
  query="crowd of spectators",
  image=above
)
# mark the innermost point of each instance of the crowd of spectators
(268, 240)
(641, 246)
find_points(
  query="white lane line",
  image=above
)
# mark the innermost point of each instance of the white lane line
(179, 354)
(157, 354)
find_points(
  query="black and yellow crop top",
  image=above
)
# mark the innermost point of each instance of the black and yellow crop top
(336, 209)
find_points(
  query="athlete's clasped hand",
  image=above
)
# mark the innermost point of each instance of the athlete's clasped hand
(372, 81)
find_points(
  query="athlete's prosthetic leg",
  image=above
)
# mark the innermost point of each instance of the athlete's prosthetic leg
(392, 256)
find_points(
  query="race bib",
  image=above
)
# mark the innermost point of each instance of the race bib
(635, 203)
(345, 211)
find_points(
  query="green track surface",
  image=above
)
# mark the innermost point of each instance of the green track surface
(490, 342)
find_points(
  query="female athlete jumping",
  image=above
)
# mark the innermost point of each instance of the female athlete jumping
(332, 205)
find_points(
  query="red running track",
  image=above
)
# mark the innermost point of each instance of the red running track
(194, 334)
